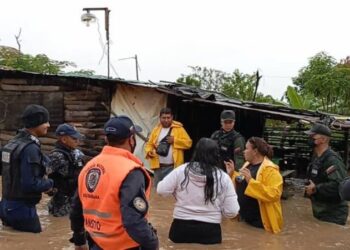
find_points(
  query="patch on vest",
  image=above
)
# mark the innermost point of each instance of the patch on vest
(5, 157)
(140, 204)
(33, 138)
(92, 178)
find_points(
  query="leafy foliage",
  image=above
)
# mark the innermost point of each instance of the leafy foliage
(239, 85)
(236, 85)
(206, 78)
(12, 58)
(326, 83)
(294, 99)
(82, 72)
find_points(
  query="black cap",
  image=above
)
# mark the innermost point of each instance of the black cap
(66, 129)
(228, 115)
(34, 115)
(121, 126)
(320, 129)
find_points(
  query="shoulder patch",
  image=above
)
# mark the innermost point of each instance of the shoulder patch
(331, 169)
(92, 179)
(140, 204)
(34, 139)
(5, 157)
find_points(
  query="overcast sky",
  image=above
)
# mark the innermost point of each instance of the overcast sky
(274, 36)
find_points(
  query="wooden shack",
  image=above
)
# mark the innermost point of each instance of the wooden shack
(88, 102)
(78, 101)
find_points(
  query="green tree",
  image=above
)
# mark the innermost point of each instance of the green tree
(189, 80)
(326, 83)
(239, 85)
(82, 72)
(236, 85)
(12, 58)
(343, 78)
(205, 78)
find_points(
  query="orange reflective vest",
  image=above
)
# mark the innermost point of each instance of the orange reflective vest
(99, 185)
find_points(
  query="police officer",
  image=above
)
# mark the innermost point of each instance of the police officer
(325, 172)
(65, 165)
(24, 173)
(231, 142)
(113, 192)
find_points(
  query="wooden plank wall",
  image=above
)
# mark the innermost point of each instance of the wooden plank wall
(83, 107)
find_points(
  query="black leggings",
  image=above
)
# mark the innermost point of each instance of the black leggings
(192, 231)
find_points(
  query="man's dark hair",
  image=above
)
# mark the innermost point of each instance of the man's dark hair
(114, 140)
(165, 111)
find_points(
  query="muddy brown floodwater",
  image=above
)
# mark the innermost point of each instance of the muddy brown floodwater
(301, 230)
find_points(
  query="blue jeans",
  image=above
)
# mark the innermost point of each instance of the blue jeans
(20, 216)
(160, 173)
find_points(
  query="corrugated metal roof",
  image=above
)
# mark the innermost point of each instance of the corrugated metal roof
(197, 94)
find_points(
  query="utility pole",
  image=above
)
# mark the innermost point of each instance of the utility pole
(137, 66)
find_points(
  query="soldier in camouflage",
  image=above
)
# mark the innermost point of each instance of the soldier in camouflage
(231, 142)
(325, 172)
(66, 163)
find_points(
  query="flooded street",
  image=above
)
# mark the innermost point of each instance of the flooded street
(301, 230)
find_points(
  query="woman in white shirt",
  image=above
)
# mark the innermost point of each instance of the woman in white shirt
(203, 192)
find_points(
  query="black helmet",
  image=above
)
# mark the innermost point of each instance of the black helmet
(228, 115)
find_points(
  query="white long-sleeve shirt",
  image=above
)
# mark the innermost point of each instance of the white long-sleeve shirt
(190, 201)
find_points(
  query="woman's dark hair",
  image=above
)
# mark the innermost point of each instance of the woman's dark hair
(206, 160)
(262, 146)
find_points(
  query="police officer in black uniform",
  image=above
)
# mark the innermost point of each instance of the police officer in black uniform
(24, 172)
(65, 165)
(325, 172)
(231, 142)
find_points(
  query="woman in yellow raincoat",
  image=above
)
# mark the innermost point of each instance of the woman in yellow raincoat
(259, 186)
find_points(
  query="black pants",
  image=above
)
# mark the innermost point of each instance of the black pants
(191, 231)
(20, 216)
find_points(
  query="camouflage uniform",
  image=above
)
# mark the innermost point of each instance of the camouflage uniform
(228, 143)
(64, 169)
(327, 171)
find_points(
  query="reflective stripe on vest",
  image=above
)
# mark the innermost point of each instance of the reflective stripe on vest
(97, 213)
(98, 234)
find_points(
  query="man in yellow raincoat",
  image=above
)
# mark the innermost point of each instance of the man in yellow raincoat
(166, 145)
